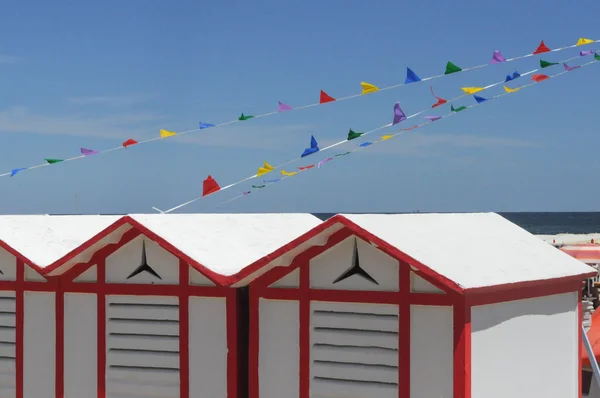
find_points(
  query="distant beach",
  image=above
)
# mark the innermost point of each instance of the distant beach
(546, 223)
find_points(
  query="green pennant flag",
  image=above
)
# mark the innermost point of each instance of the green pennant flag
(451, 68)
(460, 108)
(352, 135)
(52, 161)
(342, 154)
(597, 57)
(258, 186)
(243, 117)
(545, 64)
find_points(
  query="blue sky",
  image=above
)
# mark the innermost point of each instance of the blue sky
(91, 75)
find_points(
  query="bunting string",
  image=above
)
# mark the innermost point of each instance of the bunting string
(399, 116)
(534, 81)
(324, 98)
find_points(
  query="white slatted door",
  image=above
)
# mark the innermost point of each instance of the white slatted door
(142, 343)
(354, 350)
(7, 344)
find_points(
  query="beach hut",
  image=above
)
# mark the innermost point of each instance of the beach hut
(145, 309)
(29, 244)
(415, 305)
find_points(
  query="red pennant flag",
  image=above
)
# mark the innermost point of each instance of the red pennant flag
(542, 48)
(539, 78)
(209, 186)
(441, 101)
(129, 142)
(325, 98)
(306, 167)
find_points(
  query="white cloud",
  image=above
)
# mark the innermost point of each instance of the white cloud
(9, 59)
(127, 100)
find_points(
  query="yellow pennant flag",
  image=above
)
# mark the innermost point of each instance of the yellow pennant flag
(583, 41)
(471, 90)
(368, 88)
(267, 168)
(511, 90)
(165, 133)
(386, 137)
(288, 173)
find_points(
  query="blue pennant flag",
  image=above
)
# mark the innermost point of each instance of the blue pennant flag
(411, 77)
(314, 147)
(479, 99)
(364, 144)
(15, 171)
(205, 125)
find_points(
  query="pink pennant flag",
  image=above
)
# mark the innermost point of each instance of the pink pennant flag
(497, 57)
(322, 162)
(433, 118)
(570, 68)
(88, 152)
(283, 107)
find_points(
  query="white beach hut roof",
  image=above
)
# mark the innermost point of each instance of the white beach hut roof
(44, 239)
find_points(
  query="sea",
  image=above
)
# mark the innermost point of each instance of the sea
(544, 223)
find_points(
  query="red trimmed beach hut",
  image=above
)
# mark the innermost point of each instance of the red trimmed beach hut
(29, 244)
(415, 305)
(145, 309)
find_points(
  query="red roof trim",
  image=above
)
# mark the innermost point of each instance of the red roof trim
(21, 257)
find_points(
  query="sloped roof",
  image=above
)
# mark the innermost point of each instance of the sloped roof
(594, 337)
(472, 249)
(463, 250)
(43, 239)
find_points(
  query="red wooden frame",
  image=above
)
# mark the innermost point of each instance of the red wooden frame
(183, 291)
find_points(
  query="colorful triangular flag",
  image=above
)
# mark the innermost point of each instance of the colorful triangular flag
(570, 68)
(583, 41)
(272, 181)
(596, 57)
(314, 147)
(209, 186)
(129, 142)
(433, 118)
(352, 135)
(366, 143)
(386, 137)
(479, 99)
(513, 76)
(205, 125)
(88, 152)
(451, 68)
(460, 108)
(258, 186)
(342, 154)
(539, 77)
(545, 64)
(15, 171)
(511, 90)
(411, 77)
(245, 117)
(586, 52)
(322, 162)
(165, 133)
(497, 57)
(325, 98)
(441, 101)
(266, 168)
(53, 161)
(283, 107)
(471, 90)
(302, 168)
(542, 48)
(288, 173)
(399, 114)
(368, 88)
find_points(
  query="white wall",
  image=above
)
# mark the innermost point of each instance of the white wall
(8, 266)
(208, 347)
(328, 266)
(80, 345)
(431, 352)
(7, 344)
(279, 349)
(526, 348)
(39, 345)
(354, 350)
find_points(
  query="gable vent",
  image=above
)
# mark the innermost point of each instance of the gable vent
(142, 347)
(7, 344)
(354, 350)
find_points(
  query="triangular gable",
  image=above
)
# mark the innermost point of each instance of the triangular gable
(33, 275)
(8, 266)
(89, 275)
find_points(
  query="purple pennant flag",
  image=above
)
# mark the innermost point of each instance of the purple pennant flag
(322, 162)
(433, 118)
(283, 107)
(586, 52)
(88, 152)
(246, 193)
(570, 68)
(497, 57)
(398, 114)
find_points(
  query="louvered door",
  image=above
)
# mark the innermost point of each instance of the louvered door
(354, 350)
(7, 344)
(142, 346)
